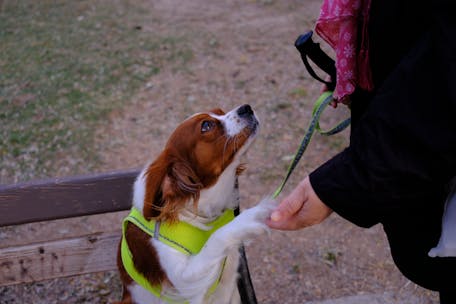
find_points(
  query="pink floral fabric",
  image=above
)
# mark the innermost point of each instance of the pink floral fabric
(340, 24)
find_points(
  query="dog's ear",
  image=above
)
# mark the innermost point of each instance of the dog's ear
(184, 181)
(169, 184)
(154, 177)
(179, 185)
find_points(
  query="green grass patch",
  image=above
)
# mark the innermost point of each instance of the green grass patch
(64, 65)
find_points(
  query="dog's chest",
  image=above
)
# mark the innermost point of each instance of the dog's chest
(174, 263)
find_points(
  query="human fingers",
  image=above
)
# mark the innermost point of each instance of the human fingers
(284, 216)
(312, 210)
(291, 223)
(290, 205)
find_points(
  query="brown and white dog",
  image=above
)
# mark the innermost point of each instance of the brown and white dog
(194, 180)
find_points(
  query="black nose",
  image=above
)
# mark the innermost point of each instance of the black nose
(245, 110)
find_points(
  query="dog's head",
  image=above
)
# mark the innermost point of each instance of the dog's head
(196, 155)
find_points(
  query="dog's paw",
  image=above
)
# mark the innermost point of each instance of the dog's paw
(248, 224)
(247, 230)
(267, 205)
(252, 221)
(261, 212)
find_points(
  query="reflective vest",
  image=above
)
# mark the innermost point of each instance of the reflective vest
(181, 236)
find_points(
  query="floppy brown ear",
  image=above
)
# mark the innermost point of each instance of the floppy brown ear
(185, 180)
(176, 187)
(154, 177)
(179, 185)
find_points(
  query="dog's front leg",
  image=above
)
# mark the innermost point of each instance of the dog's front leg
(228, 289)
(207, 263)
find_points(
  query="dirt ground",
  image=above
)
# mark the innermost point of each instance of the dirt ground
(243, 53)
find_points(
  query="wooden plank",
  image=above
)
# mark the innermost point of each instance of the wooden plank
(48, 260)
(66, 197)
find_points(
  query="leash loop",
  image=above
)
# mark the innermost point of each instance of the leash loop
(319, 106)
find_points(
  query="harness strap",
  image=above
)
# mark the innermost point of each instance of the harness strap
(181, 236)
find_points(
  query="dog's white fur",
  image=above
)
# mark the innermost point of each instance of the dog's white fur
(192, 276)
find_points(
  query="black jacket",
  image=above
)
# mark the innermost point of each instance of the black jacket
(402, 151)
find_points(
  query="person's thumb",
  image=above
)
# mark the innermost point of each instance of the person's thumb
(287, 208)
(291, 204)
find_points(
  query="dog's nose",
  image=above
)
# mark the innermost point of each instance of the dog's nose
(245, 110)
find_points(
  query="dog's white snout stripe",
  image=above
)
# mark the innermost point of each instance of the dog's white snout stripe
(232, 122)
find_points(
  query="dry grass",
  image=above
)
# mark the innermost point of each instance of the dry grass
(64, 66)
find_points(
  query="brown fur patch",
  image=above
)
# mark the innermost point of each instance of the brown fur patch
(145, 257)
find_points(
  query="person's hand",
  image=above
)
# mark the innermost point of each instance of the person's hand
(301, 208)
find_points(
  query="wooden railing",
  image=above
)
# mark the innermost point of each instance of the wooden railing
(59, 199)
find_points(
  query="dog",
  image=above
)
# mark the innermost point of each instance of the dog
(181, 241)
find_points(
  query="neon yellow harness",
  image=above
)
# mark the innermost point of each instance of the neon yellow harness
(181, 236)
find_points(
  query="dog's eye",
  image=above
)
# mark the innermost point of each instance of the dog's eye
(207, 125)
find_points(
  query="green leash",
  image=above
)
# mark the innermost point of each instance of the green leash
(319, 106)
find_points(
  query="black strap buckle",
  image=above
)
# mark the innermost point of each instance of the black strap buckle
(309, 49)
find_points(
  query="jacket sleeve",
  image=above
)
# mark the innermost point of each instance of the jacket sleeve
(403, 147)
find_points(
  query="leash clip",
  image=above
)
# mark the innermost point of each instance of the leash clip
(309, 49)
